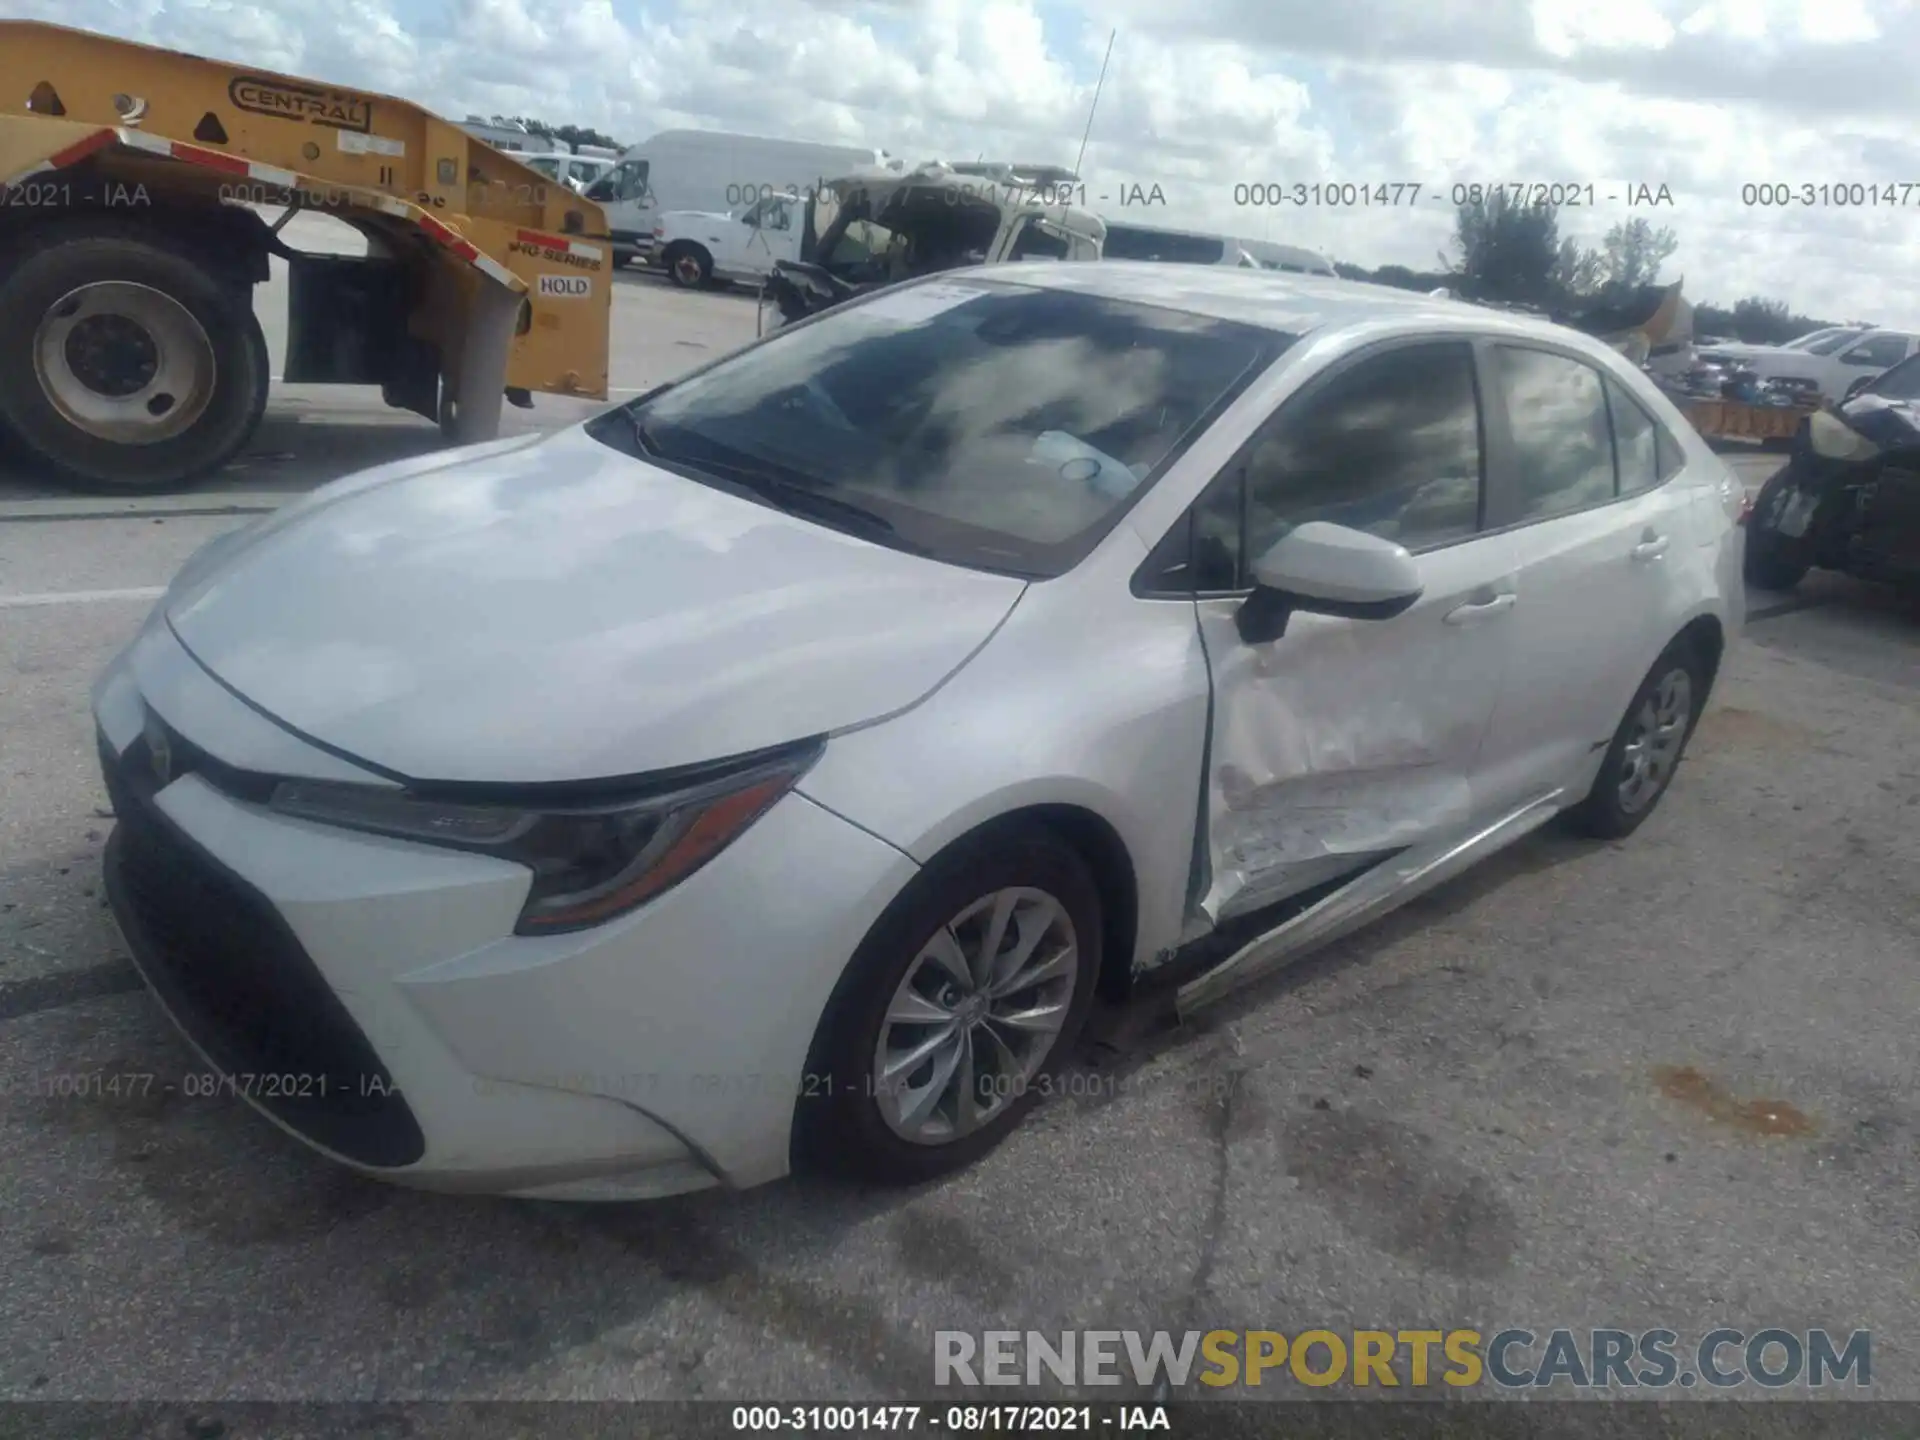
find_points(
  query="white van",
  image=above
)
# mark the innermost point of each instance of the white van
(711, 171)
(576, 172)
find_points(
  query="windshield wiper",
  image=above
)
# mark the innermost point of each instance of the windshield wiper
(792, 497)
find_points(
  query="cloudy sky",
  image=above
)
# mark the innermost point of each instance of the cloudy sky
(1206, 96)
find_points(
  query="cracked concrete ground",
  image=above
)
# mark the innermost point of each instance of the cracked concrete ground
(1557, 1092)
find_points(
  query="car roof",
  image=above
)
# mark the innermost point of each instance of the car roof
(1285, 303)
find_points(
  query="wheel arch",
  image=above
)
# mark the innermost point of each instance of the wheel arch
(1706, 636)
(1098, 843)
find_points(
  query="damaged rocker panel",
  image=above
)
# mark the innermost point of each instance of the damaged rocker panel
(1379, 889)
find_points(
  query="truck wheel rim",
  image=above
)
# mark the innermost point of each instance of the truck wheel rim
(125, 363)
(975, 1016)
(688, 269)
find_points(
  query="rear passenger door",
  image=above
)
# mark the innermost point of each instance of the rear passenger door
(1344, 739)
(1587, 485)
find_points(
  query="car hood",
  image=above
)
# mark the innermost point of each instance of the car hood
(558, 610)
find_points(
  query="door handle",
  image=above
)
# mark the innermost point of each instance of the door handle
(1476, 610)
(1651, 548)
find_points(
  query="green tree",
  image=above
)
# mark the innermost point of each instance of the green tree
(1577, 269)
(1760, 321)
(1633, 252)
(1508, 251)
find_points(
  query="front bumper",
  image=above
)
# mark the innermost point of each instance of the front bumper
(369, 994)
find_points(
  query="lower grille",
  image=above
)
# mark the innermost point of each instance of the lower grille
(243, 987)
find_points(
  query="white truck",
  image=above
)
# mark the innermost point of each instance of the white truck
(922, 219)
(1833, 364)
(711, 171)
(573, 170)
(876, 228)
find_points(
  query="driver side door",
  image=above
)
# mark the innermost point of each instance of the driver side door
(1346, 739)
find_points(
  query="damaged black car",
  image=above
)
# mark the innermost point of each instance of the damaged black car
(1849, 499)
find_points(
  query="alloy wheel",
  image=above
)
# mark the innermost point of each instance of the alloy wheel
(1653, 745)
(975, 1016)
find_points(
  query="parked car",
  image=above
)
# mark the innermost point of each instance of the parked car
(1849, 499)
(770, 771)
(1832, 366)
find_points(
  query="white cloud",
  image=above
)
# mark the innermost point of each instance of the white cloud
(1703, 96)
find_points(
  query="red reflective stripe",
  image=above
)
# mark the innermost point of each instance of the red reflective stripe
(535, 237)
(80, 149)
(212, 159)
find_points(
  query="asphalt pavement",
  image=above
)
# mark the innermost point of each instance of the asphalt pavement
(1539, 1097)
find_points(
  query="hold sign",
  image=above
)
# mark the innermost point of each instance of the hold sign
(566, 287)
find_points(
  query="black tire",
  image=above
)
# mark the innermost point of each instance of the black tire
(1605, 813)
(1774, 561)
(38, 273)
(688, 265)
(839, 1128)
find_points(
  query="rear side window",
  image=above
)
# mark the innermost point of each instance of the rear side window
(1646, 452)
(1562, 433)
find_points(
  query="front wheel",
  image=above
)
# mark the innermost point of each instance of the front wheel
(689, 267)
(1646, 749)
(957, 1010)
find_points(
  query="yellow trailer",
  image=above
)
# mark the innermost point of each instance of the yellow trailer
(132, 230)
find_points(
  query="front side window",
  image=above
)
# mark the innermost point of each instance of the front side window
(1825, 342)
(1390, 446)
(1562, 436)
(1900, 383)
(985, 423)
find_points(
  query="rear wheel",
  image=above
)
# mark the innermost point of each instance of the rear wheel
(689, 266)
(1647, 747)
(955, 1012)
(124, 364)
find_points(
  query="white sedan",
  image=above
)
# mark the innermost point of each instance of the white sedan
(772, 770)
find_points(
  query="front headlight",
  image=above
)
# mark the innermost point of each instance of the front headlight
(591, 860)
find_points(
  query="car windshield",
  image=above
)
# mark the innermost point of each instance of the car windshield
(1825, 342)
(1005, 427)
(1902, 382)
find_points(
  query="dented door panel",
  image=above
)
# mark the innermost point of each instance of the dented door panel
(1347, 739)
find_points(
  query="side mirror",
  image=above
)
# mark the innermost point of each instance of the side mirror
(1327, 569)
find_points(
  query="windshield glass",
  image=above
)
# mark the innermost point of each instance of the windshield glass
(1824, 342)
(1902, 382)
(1001, 426)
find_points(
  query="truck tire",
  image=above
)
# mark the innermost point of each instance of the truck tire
(125, 365)
(688, 265)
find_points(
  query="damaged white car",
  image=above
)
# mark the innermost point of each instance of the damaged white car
(772, 770)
